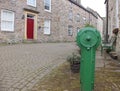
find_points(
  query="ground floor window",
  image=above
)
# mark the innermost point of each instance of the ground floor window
(70, 30)
(47, 26)
(78, 29)
(7, 20)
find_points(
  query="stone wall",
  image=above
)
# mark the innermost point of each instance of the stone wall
(59, 17)
(113, 19)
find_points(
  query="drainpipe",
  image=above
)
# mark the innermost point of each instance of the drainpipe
(117, 11)
(107, 7)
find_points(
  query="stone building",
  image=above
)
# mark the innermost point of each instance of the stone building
(42, 20)
(113, 21)
(100, 25)
(99, 22)
(112, 16)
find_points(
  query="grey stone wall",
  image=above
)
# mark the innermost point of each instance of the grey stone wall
(59, 17)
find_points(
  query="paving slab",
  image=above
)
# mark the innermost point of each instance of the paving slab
(23, 65)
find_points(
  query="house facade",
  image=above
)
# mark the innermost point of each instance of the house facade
(113, 20)
(112, 15)
(100, 25)
(42, 20)
(99, 22)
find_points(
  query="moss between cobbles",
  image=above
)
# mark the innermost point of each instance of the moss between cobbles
(62, 79)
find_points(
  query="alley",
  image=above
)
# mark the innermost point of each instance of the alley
(23, 65)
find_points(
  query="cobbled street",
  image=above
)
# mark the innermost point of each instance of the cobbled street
(22, 66)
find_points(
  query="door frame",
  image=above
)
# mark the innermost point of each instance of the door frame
(35, 24)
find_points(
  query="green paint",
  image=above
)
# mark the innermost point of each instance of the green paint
(88, 39)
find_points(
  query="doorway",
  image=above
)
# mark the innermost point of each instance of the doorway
(30, 26)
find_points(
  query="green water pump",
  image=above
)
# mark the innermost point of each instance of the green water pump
(88, 39)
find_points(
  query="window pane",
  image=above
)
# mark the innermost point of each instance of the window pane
(70, 15)
(78, 17)
(78, 29)
(8, 16)
(7, 20)
(7, 25)
(70, 30)
(47, 4)
(47, 7)
(47, 27)
(47, 1)
(31, 2)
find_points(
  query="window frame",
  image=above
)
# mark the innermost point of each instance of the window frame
(49, 26)
(31, 4)
(78, 29)
(70, 15)
(78, 17)
(70, 32)
(13, 21)
(49, 6)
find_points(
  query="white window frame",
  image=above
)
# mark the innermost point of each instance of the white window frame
(6, 29)
(47, 32)
(49, 6)
(31, 4)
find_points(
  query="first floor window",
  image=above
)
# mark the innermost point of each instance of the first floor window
(78, 29)
(47, 4)
(47, 27)
(70, 30)
(7, 20)
(70, 15)
(78, 18)
(31, 2)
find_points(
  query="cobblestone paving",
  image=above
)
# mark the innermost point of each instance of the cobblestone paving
(22, 66)
(107, 74)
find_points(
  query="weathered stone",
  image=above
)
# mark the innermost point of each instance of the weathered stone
(59, 17)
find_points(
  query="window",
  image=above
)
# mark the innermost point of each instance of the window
(31, 2)
(78, 18)
(84, 18)
(78, 29)
(70, 15)
(7, 20)
(47, 27)
(70, 30)
(47, 4)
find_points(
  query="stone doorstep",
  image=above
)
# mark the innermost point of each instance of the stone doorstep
(114, 55)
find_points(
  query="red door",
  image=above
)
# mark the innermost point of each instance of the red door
(30, 28)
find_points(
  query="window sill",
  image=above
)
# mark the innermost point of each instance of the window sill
(70, 35)
(7, 31)
(47, 34)
(48, 11)
(32, 5)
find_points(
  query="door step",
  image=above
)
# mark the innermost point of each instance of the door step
(113, 55)
(29, 41)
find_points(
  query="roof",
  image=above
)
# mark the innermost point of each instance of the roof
(95, 12)
(82, 7)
